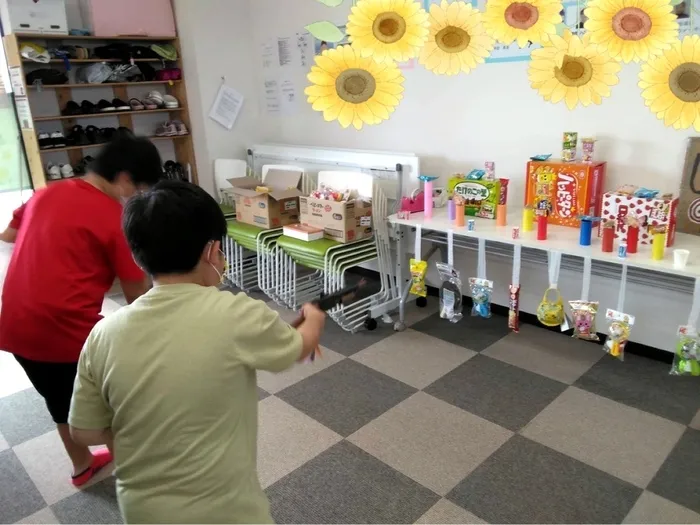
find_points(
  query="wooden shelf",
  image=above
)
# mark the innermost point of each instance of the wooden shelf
(91, 60)
(88, 146)
(105, 84)
(106, 114)
(135, 38)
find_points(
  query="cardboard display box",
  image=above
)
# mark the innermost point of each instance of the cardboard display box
(274, 209)
(689, 197)
(480, 196)
(565, 189)
(344, 222)
(650, 212)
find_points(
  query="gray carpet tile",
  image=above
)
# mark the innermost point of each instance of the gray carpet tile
(346, 396)
(474, 333)
(524, 482)
(347, 344)
(95, 504)
(24, 416)
(19, 497)
(645, 384)
(501, 393)
(344, 484)
(262, 394)
(678, 479)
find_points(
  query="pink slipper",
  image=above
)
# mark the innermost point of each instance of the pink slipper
(100, 459)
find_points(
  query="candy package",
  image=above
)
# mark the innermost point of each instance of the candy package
(541, 158)
(450, 292)
(475, 175)
(418, 271)
(482, 290)
(645, 193)
(327, 193)
(686, 360)
(514, 308)
(584, 313)
(619, 328)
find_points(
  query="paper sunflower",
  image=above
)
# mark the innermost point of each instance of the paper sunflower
(631, 29)
(458, 40)
(388, 29)
(354, 90)
(572, 69)
(671, 84)
(530, 21)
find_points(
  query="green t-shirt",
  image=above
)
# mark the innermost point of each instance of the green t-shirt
(173, 375)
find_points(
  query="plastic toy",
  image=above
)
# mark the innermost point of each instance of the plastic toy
(619, 328)
(551, 313)
(686, 360)
(584, 313)
(482, 290)
(418, 271)
(450, 293)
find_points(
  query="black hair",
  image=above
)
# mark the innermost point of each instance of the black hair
(168, 226)
(136, 156)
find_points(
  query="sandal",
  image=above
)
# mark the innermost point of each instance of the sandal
(136, 105)
(150, 104)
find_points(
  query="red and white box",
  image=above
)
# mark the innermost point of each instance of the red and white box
(650, 213)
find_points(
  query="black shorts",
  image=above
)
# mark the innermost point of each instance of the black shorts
(54, 382)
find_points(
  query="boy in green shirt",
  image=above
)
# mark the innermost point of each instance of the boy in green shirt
(169, 382)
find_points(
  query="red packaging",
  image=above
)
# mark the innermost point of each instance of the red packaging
(541, 227)
(650, 213)
(632, 238)
(503, 196)
(514, 308)
(608, 236)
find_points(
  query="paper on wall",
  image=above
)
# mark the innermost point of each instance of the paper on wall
(226, 107)
(24, 113)
(272, 96)
(288, 97)
(268, 54)
(284, 50)
(17, 81)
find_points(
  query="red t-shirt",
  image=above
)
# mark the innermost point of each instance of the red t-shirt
(70, 248)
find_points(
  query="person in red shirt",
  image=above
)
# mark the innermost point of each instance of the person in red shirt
(69, 249)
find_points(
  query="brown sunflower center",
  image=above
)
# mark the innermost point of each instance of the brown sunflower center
(521, 15)
(389, 27)
(631, 23)
(452, 39)
(684, 82)
(355, 85)
(574, 71)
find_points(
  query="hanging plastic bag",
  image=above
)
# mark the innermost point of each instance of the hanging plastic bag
(550, 311)
(514, 292)
(584, 313)
(480, 287)
(418, 271)
(619, 328)
(450, 292)
(686, 359)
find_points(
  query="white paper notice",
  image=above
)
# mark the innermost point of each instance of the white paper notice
(284, 50)
(24, 113)
(268, 54)
(226, 107)
(305, 48)
(288, 97)
(17, 82)
(272, 96)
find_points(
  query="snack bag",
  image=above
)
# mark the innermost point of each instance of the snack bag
(450, 293)
(514, 308)
(418, 271)
(686, 360)
(482, 290)
(584, 313)
(619, 327)
(551, 313)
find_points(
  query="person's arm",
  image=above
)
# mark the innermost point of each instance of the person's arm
(310, 325)
(132, 280)
(90, 418)
(10, 233)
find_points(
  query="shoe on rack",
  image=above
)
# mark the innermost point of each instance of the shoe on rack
(78, 137)
(94, 135)
(180, 172)
(58, 139)
(171, 102)
(169, 170)
(72, 108)
(104, 106)
(136, 105)
(180, 126)
(45, 141)
(87, 108)
(82, 167)
(125, 132)
(53, 172)
(67, 171)
(120, 105)
(167, 129)
(108, 134)
(157, 98)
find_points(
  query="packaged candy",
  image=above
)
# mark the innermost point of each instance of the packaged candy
(551, 313)
(619, 327)
(503, 194)
(584, 313)
(450, 293)
(645, 193)
(514, 308)
(541, 158)
(686, 360)
(329, 194)
(418, 271)
(482, 290)
(626, 189)
(475, 175)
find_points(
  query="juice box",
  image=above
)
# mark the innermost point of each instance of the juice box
(480, 196)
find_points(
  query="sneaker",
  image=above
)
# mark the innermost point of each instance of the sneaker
(45, 141)
(67, 171)
(58, 139)
(82, 167)
(167, 129)
(87, 108)
(77, 137)
(120, 105)
(53, 172)
(171, 102)
(180, 127)
(72, 108)
(104, 106)
(94, 135)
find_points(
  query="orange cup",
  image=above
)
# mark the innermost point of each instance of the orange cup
(501, 213)
(459, 215)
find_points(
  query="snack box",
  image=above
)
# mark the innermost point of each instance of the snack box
(303, 232)
(345, 221)
(566, 190)
(480, 196)
(654, 212)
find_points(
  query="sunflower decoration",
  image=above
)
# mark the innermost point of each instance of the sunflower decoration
(631, 30)
(671, 84)
(388, 29)
(572, 69)
(526, 22)
(354, 90)
(458, 41)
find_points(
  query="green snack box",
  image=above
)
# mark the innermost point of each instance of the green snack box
(480, 196)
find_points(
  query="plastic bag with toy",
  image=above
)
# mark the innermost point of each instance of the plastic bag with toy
(619, 328)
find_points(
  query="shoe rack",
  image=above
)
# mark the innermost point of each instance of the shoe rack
(182, 144)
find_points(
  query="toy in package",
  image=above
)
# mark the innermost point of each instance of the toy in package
(418, 271)
(619, 328)
(686, 360)
(551, 312)
(514, 308)
(584, 313)
(482, 290)
(450, 293)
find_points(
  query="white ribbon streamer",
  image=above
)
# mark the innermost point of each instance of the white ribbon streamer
(517, 251)
(623, 290)
(451, 247)
(554, 266)
(481, 264)
(418, 249)
(586, 285)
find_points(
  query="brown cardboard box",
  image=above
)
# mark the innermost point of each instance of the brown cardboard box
(341, 221)
(689, 205)
(275, 209)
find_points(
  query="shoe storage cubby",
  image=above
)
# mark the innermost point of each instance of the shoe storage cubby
(74, 112)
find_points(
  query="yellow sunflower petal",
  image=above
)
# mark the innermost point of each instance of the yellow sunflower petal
(688, 115)
(673, 113)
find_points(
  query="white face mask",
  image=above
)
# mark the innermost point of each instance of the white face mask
(222, 279)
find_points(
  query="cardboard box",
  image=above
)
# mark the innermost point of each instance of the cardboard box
(303, 232)
(650, 212)
(689, 197)
(566, 189)
(277, 208)
(344, 222)
(480, 196)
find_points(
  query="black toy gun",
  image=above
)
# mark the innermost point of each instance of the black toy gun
(330, 301)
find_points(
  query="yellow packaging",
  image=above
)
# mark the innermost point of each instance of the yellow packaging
(418, 271)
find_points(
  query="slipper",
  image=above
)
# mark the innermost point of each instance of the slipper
(150, 104)
(171, 102)
(136, 105)
(100, 459)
